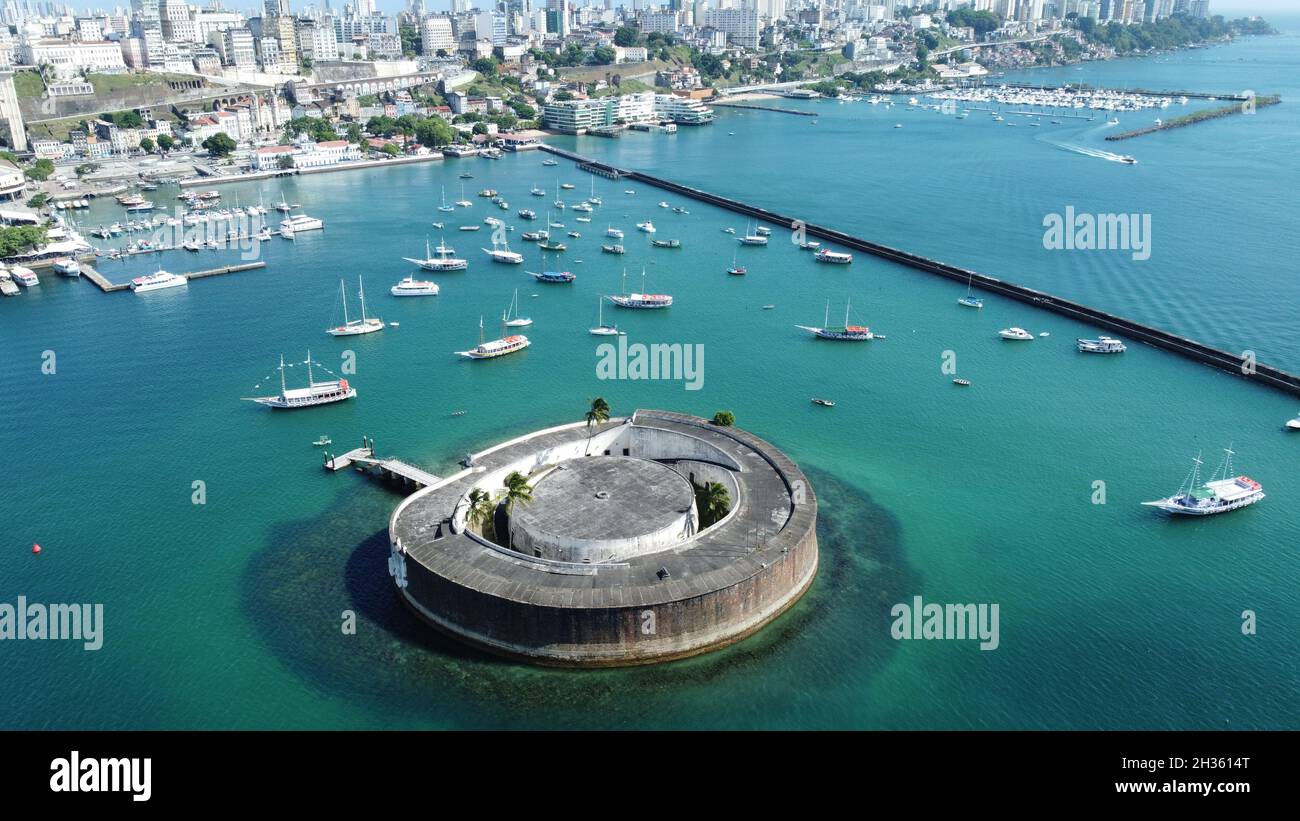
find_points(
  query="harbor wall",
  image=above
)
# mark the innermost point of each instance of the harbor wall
(1242, 364)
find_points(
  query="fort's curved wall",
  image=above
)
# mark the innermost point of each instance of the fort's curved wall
(632, 612)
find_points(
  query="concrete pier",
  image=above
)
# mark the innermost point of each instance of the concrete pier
(776, 109)
(102, 282)
(364, 460)
(1242, 364)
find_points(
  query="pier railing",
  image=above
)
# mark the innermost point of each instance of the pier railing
(1243, 364)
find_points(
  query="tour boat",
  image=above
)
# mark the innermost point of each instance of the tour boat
(553, 276)
(410, 286)
(301, 222)
(844, 333)
(642, 301)
(495, 348)
(66, 266)
(511, 318)
(158, 281)
(353, 327)
(316, 393)
(552, 246)
(752, 239)
(1222, 493)
(646, 227)
(601, 329)
(442, 259)
(962, 382)
(833, 257)
(504, 255)
(535, 236)
(24, 276)
(613, 249)
(666, 243)
(811, 245)
(616, 233)
(1015, 334)
(1102, 344)
(527, 214)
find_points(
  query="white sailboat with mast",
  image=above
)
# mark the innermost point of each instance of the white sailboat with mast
(353, 327)
(844, 333)
(316, 393)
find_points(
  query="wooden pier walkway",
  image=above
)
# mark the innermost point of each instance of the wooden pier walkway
(108, 287)
(364, 460)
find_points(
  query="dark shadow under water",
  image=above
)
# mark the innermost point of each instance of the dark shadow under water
(403, 673)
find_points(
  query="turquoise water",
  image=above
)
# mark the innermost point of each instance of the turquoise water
(227, 614)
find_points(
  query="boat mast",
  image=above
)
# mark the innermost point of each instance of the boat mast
(282, 387)
(310, 379)
(362, 291)
(343, 293)
(826, 317)
(847, 302)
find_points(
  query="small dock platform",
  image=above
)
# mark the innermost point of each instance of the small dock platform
(364, 460)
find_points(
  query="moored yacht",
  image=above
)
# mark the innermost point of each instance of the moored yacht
(641, 301)
(443, 258)
(24, 276)
(833, 257)
(496, 347)
(504, 255)
(354, 327)
(66, 266)
(1102, 344)
(1015, 334)
(600, 328)
(301, 222)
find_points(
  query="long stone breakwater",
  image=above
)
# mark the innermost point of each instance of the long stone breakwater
(1243, 364)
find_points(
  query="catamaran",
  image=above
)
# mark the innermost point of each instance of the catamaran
(353, 327)
(1222, 493)
(410, 286)
(316, 393)
(601, 329)
(511, 318)
(643, 301)
(158, 281)
(495, 348)
(462, 202)
(844, 333)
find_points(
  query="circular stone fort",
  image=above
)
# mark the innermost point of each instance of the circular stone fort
(610, 563)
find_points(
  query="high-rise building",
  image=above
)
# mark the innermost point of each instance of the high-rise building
(740, 25)
(436, 33)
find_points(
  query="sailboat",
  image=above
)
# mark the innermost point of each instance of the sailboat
(735, 270)
(559, 203)
(462, 202)
(970, 300)
(642, 300)
(353, 327)
(593, 199)
(601, 328)
(444, 260)
(316, 393)
(1222, 493)
(551, 276)
(445, 206)
(504, 254)
(495, 348)
(844, 333)
(511, 316)
(537, 192)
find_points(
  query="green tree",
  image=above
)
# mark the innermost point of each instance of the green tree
(603, 55)
(724, 419)
(166, 143)
(627, 36)
(220, 145)
(517, 490)
(86, 168)
(147, 145)
(392, 150)
(434, 132)
(19, 238)
(597, 414)
(480, 128)
(713, 502)
(479, 513)
(41, 170)
(284, 162)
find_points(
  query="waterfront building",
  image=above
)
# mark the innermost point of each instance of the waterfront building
(12, 182)
(579, 116)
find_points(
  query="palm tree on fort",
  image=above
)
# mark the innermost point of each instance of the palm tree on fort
(517, 490)
(713, 501)
(598, 413)
(480, 510)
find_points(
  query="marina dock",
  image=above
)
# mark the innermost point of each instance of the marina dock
(364, 460)
(1243, 364)
(102, 282)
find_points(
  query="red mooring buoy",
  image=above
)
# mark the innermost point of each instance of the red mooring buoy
(36, 549)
